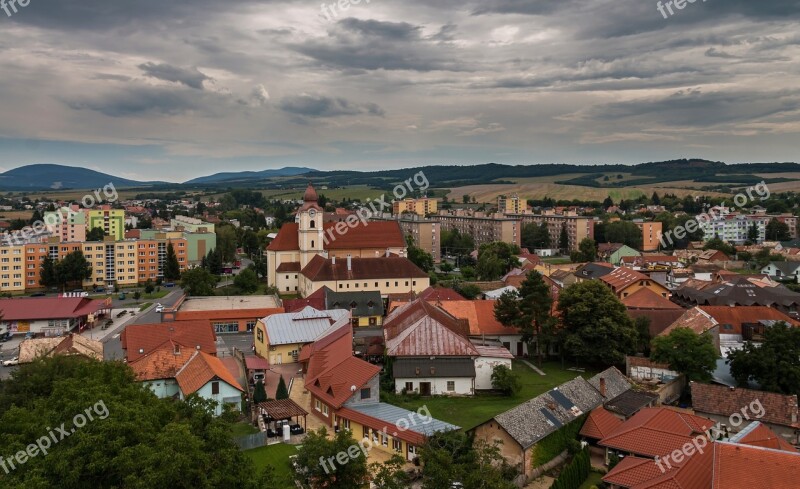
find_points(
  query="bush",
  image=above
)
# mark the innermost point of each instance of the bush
(506, 381)
(575, 473)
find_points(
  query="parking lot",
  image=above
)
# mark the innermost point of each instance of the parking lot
(9, 350)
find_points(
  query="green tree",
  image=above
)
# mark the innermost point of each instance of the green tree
(259, 393)
(135, 439)
(282, 392)
(149, 287)
(226, 242)
(214, 262)
(687, 352)
(642, 324)
(588, 249)
(457, 244)
(137, 295)
(48, 276)
(466, 198)
(592, 315)
(752, 233)
(624, 232)
(505, 380)
(74, 268)
(390, 474)
(529, 309)
(246, 281)
(469, 291)
(95, 234)
(318, 448)
(449, 457)
(774, 363)
(719, 245)
(418, 256)
(563, 239)
(495, 259)
(535, 236)
(777, 231)
(172, 269)
(198, 282)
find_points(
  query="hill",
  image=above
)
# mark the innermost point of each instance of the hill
(60, 177)
(245, 176)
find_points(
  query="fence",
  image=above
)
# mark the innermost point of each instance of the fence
(248, 442)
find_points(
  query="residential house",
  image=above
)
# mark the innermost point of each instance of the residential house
(777, 411)
(625, 282)
(620, 397)
(279, 337)
(651, 262)
(564, 278)
(142, 339)
(614, 252)
(783, 270)
(593, 270)
(661, 312)
(366, 306)
(345, 394)
(738, 291)
(520, 429)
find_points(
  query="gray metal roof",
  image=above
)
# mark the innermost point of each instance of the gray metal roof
(303, 326)
(393, 414)
(406, 368)
(360, 304)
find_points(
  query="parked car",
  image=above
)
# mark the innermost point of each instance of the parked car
(30, 335)
(5, 337)
(12, 362)
(159, 308)
(169, 284)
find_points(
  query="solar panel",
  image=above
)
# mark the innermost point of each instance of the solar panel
(561, 399)
(550, 418)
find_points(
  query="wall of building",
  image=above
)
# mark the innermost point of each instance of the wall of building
(164, 388)
(511, 451)
(397, 285)
(225, 392)
(463, 386)
(484, 367)
(12, 269)
(374, 386)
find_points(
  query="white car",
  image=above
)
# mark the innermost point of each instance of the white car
(12, 362)
(159, 308)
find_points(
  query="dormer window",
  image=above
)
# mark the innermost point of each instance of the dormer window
(353, 305)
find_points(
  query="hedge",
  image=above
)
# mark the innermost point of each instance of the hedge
(553, 444)
(575, 473)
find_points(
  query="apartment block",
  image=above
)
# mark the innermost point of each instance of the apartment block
(191, 225)
(152, 256)
(198, 243)
(791, 223)
(734, 227)
(578, 228)
(651, 234)
(425, 232)
(12, 268)
(422, 207)
(484, 228)
(111, 221)
(510, 205)
(67, 223)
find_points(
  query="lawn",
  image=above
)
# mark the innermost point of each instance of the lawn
(468, 412)
(557, 260)
(278, 457)
(242, 429)
(593, 480)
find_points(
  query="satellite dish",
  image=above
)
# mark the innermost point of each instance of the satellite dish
(353, 388)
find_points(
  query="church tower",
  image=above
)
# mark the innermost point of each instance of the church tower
(310, 228)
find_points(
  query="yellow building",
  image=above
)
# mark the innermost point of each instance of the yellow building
(422, 207)
(388, 275)
(626, 281)
(111, 221)
(510, 205)
(279, 337)
(12, 268)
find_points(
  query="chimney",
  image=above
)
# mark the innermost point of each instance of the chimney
(603, 386)
(333, 260)
(387, 252)
(349, 263)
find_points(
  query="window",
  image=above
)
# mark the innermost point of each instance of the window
(409, 386)
(317, 405)
(214, 388)
(251, 325)
(345, 423)
(373, 321)
(228, 327)
(397, 445)
(366, 393)
(451, 386)
(260, 335)
(325, 410)
(313, 224)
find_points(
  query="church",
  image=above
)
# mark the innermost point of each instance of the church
(309, 236)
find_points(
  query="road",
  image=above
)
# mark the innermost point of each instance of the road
(112, 346)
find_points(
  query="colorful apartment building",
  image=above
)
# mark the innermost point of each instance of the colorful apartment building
(111, 221)
(651, 234)
(67, 223)
(510, 205)
(422, 207)
(484, 228)
(198, 244)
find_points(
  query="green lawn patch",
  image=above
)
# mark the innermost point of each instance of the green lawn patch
(276, 456)
(242, 429)
(468, 412)
(594, 480)
(557, 260)
(144, 306)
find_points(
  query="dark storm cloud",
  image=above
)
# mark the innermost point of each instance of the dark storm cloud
(308, 105)
(137, 101)
(191, 77)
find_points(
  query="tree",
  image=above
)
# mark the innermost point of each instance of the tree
(137, 295)
(563, 239)
(282, 392)
(607, 202)
(655, 199)
(719, 245)
(529, 309)
(687, 352)
(624, 232)
(495, 259)
(588, 249)
(48, 276)
(455, 243)
(135, 440)
(535, 236)
(95, 234)
(172, 269)
(449, 457)
(642, 325)
(774, 363)
(469, 291)
(259, 393)
(198, 282)
(466, 198)
(390, 474)
(226, 243)
(214, 262)
(149, 287)
(73, 268)
(592, 316)
(505, 380)
(752, 233)
(418, 256)
(331, 474)
(777, 231)
(246, 281)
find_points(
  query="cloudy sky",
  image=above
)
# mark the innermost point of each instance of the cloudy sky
(174, 89)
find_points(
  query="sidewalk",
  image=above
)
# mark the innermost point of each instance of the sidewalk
(99, 334)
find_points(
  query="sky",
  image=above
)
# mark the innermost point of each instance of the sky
(175, 89)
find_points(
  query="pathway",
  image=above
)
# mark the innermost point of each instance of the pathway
(533, 367)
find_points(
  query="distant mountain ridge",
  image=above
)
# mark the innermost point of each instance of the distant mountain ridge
(61, 177)
(288, 171)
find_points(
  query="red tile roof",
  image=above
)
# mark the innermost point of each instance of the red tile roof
(622, 278)
(315, 300)
(744, 466)
(480, 316)
(289, 267)
(163, 363)
(599, 424)
(779, 409)
(660, 319)
(656, 432)
(762, 436)
(441, 294)
(332, 368)
(647, 299)
(738, 315)
(375, 234)
(149, 337)
(33, 308)
(320, 269)
(202, 369)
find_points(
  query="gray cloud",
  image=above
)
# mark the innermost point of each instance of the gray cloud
(191, 77)
(308, 105)
(137, 101)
